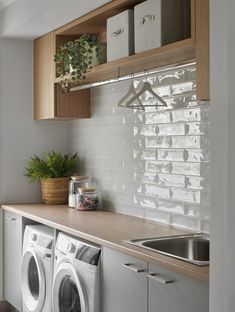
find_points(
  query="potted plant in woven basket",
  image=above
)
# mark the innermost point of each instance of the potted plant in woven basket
(53, 171)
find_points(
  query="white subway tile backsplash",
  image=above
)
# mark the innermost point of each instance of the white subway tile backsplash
(186, 168)
(158, 166)
(156, 118)
(146, 154)
(182, 101)
(186, 142)
(153, 164)
(171, 206)
(171, 129)
(189, 141)
(158, 216)
(193, 114)
(158, 142)
(169, 77)
(183, 88)
(164, 92)
(191, 73)
(186, 195)
(145, 201)
(146, 130)
(186, 222)
(163, 192)
(146, 177)
(172, 154)
(198, 183)
(197, 128)
(170, 180)
(199, 155)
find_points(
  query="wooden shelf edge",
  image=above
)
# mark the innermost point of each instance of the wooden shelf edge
(175, 53)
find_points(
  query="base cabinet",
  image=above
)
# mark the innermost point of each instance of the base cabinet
(13, 230)
(132, 285)
(172, 292)
(12, 248)
(124, 283)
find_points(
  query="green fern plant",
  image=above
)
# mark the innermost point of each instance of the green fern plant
(53, 165)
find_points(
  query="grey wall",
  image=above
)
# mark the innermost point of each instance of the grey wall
(222, 273)
(20, 136)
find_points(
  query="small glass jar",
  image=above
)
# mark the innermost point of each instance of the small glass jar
(87, 199)
(75, 183)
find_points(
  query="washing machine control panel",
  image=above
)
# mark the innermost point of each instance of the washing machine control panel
(78, 250)
(71, 248)
(34, 237)
(65, 245)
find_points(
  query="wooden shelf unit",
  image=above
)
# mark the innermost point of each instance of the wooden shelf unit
(194, 48)
(175, 53)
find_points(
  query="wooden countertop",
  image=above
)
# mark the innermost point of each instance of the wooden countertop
(110, 229)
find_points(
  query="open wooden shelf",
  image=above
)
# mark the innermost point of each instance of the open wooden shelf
(175, 53)
(95, 22)
(50, 104)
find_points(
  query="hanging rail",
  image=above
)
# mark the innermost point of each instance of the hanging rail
(128, 77)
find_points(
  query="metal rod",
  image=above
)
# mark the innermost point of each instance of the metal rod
(128, 77)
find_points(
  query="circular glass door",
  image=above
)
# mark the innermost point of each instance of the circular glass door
(69, 299)
(33, 278)
(69, 294)
(32, 281)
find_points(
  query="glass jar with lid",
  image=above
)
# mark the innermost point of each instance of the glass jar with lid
(87, 199)
(75, 183)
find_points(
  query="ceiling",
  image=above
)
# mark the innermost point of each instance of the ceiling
(30, 19)
(5, 3)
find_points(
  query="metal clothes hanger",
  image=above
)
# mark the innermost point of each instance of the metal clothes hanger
(146, 88)
(129, 95)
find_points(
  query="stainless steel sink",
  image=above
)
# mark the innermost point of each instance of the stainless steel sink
(192, 248)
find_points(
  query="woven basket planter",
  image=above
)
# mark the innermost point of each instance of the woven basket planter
(55, 191)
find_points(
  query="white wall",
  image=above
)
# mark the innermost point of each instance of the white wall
(20, 136)
(222, 273)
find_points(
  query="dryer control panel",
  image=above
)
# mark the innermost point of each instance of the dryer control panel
(78, 250)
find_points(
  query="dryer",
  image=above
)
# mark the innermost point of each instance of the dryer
(37, 268)
(76, 285)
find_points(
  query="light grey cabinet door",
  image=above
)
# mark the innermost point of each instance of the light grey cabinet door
(12, 247)
(172, 292)
(124, 283)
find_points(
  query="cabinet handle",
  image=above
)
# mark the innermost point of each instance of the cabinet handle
(117, 32)
(147, 18)
(133, 268)
(160, 279)
(10, 219)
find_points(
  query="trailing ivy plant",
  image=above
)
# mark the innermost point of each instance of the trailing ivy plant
(75, 58)
(53, 165)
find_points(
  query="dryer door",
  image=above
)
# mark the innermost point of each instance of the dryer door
(33, 284)
(69, 292)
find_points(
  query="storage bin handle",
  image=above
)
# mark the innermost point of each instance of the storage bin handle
(117, 32)
(147, 18)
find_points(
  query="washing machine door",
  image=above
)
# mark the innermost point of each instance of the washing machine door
(69, 294)
(33, 283)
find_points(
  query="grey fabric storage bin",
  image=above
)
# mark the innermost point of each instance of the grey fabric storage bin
(120, 35)
(160, 22)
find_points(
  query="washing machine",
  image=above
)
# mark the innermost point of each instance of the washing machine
(76, 285)
(37, 268)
